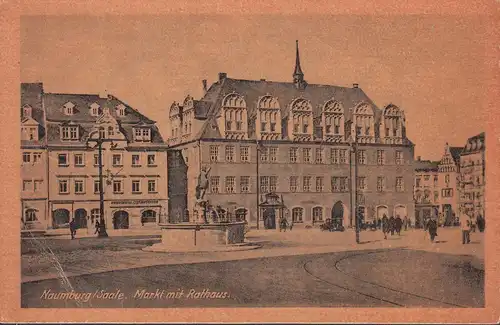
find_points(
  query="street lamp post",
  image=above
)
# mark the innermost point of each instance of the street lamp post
(102, 226)
(354, 149)
(257, 182)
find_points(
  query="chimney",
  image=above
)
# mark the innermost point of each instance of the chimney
(262, 79)
(204, 81)
(355, 85)
(103, 94)
(222, 76)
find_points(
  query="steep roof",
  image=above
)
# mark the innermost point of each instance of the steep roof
(455, 153)
(474, 144)
(285, 92)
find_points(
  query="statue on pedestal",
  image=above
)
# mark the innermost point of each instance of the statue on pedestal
(201, 189)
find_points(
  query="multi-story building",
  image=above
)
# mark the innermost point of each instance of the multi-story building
(472, 177)
(436, 188)
(34, 172)
(285, 147)
(426, 191)
(134, 161)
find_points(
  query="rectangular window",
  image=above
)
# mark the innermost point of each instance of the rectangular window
(152, 186)
(273, 127)
(135, 160)
(361, 183)
(244, 153)
(293, 155)
(273, 154)
(136, 186)
(79, 161)
(63, 186)
(117, 187)
(294, 183)
(399, 157)
(264, 154)
(73, 132)
(362, 157)
(306, 155)
(245, 184)
(263, 126)
(214, 153)
(380, 157)
(306, 182)
(264, 184)
(27, 185)
(62, 159)
(96, 186)
(343, 156)
(79, 189)
(229, 153)
(334, 156)
(117, 160)
(418, 182)
(151, 160)
(343, 184)
(436, 181)
(273, 183)
(37, 157)
(319, 184)
(26, 157)
(335, 184)
(37, 185)
(319, 155)
(230, 184)
(447, 192)
(214, 184)
(96, 160)
(399, 184)
(239, 125)
(380, 184)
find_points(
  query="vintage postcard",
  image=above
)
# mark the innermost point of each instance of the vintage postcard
(309, 163)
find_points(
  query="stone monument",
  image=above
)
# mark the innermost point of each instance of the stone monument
(209, 228)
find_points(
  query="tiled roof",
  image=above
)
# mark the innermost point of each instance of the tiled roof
(474, 144)
(286, 92)
(455, 153)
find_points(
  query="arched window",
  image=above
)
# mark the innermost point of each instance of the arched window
(30, 215)
(148, 216)
(318, 214)
(297, 215)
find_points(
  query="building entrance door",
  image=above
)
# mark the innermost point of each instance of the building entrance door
(81, 218)
(120, 220)
(448, 215)
(269, 216)
(338, 214)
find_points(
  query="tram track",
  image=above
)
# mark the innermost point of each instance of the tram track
(373, 284)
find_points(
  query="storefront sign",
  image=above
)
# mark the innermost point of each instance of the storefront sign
(134, 202)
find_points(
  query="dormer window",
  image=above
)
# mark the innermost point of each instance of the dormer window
(120, 110)
(94, 109)
(27, 111)
(69, 133)
(30, 133)
(69, 108)
(142, 134)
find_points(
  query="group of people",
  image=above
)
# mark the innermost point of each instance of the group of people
(284, 225)
(73, 226)
(391, 225)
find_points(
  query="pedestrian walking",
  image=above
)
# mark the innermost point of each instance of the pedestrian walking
(385, 226)
(72, 228)
(392, 224)
(432, 226)
(398, 224)
(379, 223)
(465, 224)
(283, 224)
(97, 224)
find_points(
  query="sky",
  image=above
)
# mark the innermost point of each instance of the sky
(433, 67)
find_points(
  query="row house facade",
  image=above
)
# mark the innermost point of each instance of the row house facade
(133, 157)
(290, 141)
(436, 188)
(472, 177)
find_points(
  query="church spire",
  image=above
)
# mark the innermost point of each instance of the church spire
(298, 75)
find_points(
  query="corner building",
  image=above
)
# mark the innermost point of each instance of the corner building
(289, 142)
(133, 158)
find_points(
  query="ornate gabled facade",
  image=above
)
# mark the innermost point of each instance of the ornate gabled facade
(472, 177)
(134, 162)
(296, 136)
